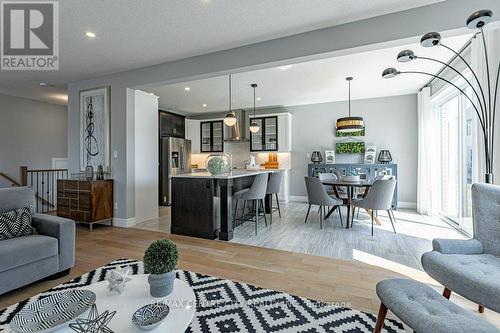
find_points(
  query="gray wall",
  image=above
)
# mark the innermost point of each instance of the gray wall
(362, 35)
(391, 122)
(31, 134)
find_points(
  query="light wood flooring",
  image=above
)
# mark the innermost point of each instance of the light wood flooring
(315, 277)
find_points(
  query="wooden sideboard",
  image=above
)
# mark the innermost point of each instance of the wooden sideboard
(85, 201)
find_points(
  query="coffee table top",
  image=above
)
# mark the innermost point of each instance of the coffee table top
(182, 303)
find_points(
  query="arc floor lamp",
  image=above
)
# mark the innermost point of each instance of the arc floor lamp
(483, 99)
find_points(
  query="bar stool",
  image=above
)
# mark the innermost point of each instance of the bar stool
(273, 188)
(256, 193)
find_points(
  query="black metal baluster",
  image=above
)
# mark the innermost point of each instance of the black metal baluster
(37, 185)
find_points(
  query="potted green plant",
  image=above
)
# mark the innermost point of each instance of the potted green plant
(160, 260)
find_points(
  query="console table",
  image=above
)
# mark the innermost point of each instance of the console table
(366, 172)
(85, 201)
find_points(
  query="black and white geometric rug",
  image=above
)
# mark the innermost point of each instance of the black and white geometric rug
(228, 306)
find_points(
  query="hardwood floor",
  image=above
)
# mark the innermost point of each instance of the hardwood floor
(315, 277)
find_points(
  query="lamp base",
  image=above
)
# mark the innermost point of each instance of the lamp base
(488, 178)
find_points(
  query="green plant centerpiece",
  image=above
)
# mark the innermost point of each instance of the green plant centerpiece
(160, 260)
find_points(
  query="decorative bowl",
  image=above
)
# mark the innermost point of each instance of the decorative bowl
(52, 312)
(350, 178)
(219, 164)
(150, 316)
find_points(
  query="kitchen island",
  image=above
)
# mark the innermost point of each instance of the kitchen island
(202, 204)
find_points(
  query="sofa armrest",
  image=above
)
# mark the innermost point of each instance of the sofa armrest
(457, 246)
(62, 229)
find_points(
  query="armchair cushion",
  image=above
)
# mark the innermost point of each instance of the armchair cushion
(474, 276)
(457, 246)
(62, 229)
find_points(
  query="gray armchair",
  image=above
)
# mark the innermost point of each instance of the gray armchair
(49, 253)
(471, 268)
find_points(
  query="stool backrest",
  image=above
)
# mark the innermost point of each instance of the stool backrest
(274, 183)
(259, 187)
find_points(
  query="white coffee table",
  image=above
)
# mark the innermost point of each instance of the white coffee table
(182, 303)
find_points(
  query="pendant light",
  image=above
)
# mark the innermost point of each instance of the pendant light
(254, 127)
(230, 118)
(350, 124)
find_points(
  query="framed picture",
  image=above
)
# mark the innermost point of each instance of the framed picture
(370, 154)
(330, 156)
(95, 128)
(350, 147)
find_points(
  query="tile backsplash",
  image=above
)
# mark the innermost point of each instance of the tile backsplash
(240, 153)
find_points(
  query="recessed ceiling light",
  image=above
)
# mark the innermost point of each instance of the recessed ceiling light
(284, 68)
(204, 105)
(259, 98)
(90, 34)
(187, 88)
(44, 84)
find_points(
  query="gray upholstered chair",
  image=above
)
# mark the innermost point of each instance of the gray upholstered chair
(471, 268)
(379, 197)
(50, 252)
(273, 188)
(317, 195)
(256, 193)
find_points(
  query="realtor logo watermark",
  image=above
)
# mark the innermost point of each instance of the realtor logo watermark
(30, 35)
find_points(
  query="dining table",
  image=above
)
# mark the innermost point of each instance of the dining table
(350, 186)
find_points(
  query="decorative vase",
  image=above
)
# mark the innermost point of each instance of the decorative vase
(219, 163)
(161, 285)
(89, 172)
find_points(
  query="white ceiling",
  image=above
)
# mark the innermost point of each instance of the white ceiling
(311, 82)
(137, 33)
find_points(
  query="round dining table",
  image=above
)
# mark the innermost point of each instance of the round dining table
(350, 185)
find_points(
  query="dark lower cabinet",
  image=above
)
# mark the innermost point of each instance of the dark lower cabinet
(85, 201)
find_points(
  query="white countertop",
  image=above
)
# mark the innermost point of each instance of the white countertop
(237, 173)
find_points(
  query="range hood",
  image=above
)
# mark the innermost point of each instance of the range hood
(238, 132)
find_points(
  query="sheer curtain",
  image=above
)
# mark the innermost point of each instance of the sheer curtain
(479, 66)
(428, 155)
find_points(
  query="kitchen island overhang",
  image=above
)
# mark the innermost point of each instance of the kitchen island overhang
(203, 205)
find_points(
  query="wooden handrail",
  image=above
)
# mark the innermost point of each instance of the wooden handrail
(13, 181)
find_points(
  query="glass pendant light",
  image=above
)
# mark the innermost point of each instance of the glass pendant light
(230, 118)
(350, 124)
(254, 127)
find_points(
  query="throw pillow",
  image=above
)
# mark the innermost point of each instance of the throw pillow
(16, 223)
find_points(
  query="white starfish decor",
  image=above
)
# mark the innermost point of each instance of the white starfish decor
(118, 278)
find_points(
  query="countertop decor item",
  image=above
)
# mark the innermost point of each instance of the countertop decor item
(95, 322)
(52, 312)
(160, 260)
(482, 96)
(230, 118)
(150, 316)
(219, 163)
(272, 161)
(350, 124)
(384, 156)
(254, 127)
(316, 157)
(118, 278)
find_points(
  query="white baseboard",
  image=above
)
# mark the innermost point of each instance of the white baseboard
(407, 204)
(124, 223)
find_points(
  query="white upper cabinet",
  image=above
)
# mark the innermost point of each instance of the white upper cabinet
(284, 132)
(193, 134)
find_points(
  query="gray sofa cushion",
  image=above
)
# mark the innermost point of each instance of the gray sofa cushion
(12, 198)
(473, 276)
(21, 251)
(424, 310)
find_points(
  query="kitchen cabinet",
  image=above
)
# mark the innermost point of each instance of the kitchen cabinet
(211, 136)
(274, 135)
(171, 124)
(193, 134)
(266, 139)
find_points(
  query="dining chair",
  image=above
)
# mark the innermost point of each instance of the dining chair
(273, 188)
(317, 195)
(256, 193)
(379, 197)
(378, 177)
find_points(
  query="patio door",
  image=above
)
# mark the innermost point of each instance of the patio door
(457, 133)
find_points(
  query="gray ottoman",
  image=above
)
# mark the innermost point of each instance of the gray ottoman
(425, 310)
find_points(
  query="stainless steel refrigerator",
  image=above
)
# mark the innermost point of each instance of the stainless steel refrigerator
(175, 158)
